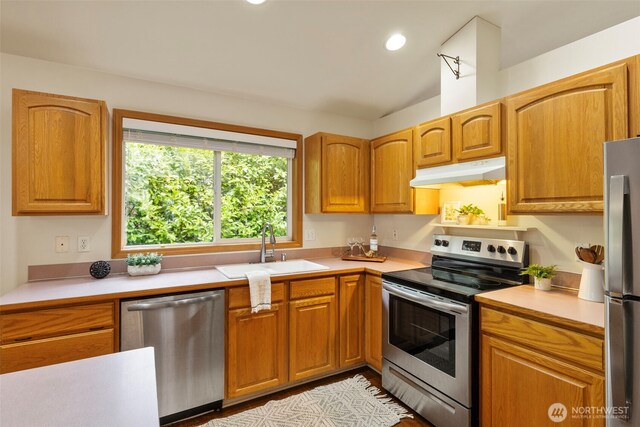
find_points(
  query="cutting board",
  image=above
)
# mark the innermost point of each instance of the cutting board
(364, 258)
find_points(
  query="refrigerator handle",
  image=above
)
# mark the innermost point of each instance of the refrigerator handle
(619, 359)
(618, 187)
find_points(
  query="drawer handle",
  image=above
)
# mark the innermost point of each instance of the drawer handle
(96, 328)
(23, 339)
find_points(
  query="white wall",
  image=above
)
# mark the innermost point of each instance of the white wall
(408, 117)
(478, 46)
(30, 240)
(552, 237)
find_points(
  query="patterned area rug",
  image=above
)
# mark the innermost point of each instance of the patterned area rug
(353, 402)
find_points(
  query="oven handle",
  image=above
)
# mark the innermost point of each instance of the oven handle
(424, 299)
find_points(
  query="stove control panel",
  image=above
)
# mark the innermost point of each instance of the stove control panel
(490, 250)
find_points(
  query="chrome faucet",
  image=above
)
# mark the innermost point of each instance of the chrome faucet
(264, 252)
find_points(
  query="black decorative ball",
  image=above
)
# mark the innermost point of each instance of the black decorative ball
(100, 269)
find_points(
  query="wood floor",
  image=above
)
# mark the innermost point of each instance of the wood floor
(369, 374)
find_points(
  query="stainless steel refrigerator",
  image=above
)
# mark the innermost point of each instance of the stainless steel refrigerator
(622, 281)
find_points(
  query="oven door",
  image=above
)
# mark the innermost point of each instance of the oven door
(429, 337)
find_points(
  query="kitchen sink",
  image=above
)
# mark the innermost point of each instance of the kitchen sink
(237, 271)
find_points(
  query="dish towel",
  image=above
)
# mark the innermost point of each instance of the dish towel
(259, 290)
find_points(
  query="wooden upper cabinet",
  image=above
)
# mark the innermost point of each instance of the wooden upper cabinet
(634, 95)
(59, 154)
(555, 137)
(477, 132)
(432, 143)
(336, 174)
(391, 170)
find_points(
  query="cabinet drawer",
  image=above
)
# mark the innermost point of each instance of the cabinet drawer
(572, 346)
(313, 287)
(32, 354)
(55, 321)
(240, 297)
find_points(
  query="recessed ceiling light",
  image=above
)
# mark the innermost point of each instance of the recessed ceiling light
(256, 1)
(395, 42)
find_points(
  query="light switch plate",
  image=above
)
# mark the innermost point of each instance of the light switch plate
(62, 244)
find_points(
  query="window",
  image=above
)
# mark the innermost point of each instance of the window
(187, 186)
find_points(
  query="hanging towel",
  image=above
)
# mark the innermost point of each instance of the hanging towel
(259, 290)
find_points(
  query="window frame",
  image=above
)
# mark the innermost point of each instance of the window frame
(118, 249)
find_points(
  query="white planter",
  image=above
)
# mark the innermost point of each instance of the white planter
(542, 284)
(464, 219)
(143, 270)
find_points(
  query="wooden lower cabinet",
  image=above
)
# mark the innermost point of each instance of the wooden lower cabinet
(257, 350)
(45, 336)
(351, 320)
(256, 343)
(313, 331)
(49, 351)
(373, 321)
(528, 365)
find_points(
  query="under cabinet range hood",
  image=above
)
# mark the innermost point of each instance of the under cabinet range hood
(487, 171)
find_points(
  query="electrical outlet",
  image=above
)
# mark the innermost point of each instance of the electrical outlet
(310, 234)
(62, 244)
(394, 234)
(83, 244)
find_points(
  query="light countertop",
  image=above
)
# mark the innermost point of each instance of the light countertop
(555, 305)
(114, 390)
(124, 286)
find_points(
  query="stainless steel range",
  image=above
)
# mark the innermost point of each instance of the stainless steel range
(430, 325)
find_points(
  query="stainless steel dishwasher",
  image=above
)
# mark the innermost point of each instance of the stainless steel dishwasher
(187, 332)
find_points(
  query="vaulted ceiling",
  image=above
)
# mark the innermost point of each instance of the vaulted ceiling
(313, 54)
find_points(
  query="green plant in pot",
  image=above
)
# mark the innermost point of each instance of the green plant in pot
(141, 264)
(466, 213)
(542, 275)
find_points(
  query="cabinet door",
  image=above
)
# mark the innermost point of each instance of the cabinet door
(519, 385)
(477, 132)
(391, 171)
(555, 136)
(345, 174)
(432, 143)
(351, 320)
(373, 322)
(256, 351)
(59, 154)
(336, 174)
(312, 337)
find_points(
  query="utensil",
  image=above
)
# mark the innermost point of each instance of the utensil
(599, 251)
(587, 255)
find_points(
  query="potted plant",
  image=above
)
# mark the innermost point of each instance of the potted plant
(466, 213)
(143, 264)
(542, 275)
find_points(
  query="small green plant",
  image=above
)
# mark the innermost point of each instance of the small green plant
(540, 271)
(144, 259)
(470, 209)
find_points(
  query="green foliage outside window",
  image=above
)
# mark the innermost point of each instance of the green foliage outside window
(169, 194)
(254, 191)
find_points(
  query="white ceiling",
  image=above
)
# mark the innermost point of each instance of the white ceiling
(316, 54)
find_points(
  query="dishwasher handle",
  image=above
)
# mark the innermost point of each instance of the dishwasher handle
(169, 304)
